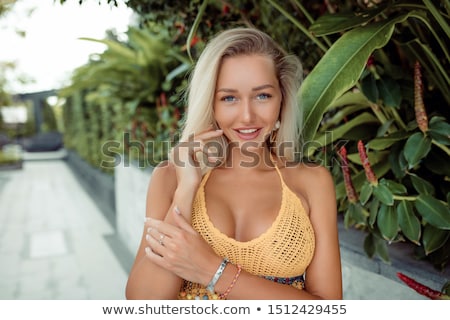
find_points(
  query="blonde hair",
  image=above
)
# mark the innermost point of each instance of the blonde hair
(202, 85)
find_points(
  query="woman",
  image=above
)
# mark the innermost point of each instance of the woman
(233, 215)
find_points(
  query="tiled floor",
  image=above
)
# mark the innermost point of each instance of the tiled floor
(53, 239)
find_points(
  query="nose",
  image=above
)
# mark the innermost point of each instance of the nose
(247, 113)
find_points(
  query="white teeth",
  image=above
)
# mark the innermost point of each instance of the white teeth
(247, 131)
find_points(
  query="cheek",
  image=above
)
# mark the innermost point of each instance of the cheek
(222, 117)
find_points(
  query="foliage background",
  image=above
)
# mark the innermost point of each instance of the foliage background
(375, 99)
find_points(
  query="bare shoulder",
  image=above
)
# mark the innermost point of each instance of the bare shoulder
(165, 170)
(308, 174)
(315, 175)
(312, 183)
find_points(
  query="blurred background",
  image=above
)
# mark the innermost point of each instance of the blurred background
(91, 100)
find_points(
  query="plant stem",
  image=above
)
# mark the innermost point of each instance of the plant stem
(298, 25)
(438, 17)
(441, 146)
(380, 115)
(397, 118)
(407, 198)
(310, 19)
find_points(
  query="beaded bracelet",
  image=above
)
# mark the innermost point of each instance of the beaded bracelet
(217, 275)
(236, 276)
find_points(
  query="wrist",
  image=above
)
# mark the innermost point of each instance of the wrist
(218, 270)
(228, 280)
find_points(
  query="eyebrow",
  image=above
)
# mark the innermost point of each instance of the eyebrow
(264, 86)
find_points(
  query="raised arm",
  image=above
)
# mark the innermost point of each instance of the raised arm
(172, 184)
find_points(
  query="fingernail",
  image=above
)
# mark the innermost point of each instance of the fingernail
(147, 237)
(147, 250)
(177, 211)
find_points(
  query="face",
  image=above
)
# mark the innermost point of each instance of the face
(247, 99)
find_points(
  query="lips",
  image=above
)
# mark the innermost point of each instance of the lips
(247, 133)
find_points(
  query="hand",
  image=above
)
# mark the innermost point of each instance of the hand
(188, 155)
(180, 249)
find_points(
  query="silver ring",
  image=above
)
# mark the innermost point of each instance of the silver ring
(161, 239)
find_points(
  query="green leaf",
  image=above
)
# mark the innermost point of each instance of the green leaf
(333, 135)
(385, 142)
(369, 245)
(374, 157)
(395, 155)
(408, 222)
(421, 185)
(383, 194)
(348, 222)
(383, 129)
(387, 222)
(433, 238)
(416, 148)
(366, 192)
(390, 92)
(194, 27)
(433, 211)
(370, 89)
(440, 131)
(373, 211)
(333, 23)
(382, 250)
(396, 188)
(357, 213)
(356, 98)
(116, 47)
(340, 68)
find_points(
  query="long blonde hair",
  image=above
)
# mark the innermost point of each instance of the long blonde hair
(202, 85)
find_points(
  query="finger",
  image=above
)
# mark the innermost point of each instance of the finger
(160, 226)
(157, 245)
(210, 134)
(154, 256)
(182, 222)
(153, 234)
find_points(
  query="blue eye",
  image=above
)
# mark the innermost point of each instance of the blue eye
(263, 96)
(228, 98)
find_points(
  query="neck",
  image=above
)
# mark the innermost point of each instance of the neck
(240, 157)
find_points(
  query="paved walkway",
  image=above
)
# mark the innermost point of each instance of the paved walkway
(53, 238)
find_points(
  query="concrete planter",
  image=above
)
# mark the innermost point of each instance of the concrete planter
(131, 184)
(97, 183)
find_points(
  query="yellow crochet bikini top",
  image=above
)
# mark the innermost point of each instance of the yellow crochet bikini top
(282, 253)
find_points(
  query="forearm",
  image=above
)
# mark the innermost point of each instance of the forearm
(183, 200)
(251, 287)
(147, 280)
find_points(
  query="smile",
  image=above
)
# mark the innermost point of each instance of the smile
(244, 131)
(248, 134)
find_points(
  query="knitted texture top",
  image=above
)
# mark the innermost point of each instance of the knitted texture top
(283, 251)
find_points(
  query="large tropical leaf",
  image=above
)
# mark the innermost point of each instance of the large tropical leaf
(340, 68)
(332, 135)
(332, 23)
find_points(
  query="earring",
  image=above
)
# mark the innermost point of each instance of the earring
(277, 125)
